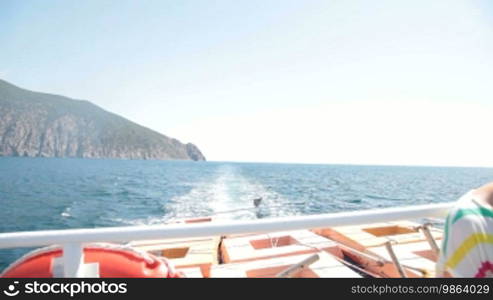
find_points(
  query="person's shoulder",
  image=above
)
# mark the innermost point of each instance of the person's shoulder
(468, 212)
(466, 201)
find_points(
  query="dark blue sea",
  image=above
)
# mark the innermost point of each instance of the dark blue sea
(52, 193)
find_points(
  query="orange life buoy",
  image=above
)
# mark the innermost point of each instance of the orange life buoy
(113, 261)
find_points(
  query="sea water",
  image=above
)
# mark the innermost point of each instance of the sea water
(56, 193)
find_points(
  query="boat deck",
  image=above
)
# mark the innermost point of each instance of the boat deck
(370, 243)
(369, 250)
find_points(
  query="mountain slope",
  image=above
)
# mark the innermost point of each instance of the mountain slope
(44, 125)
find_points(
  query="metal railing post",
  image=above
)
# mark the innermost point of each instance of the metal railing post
(73, 259)
(72, 239)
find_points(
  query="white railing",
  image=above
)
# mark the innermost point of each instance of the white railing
(72, 239)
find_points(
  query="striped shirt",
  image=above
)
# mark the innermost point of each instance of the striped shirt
(467, 247)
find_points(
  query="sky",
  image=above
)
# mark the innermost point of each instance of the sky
(334, 82)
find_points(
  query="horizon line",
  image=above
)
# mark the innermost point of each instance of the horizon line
(263, 162)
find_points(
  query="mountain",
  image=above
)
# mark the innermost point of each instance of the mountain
(43, 125)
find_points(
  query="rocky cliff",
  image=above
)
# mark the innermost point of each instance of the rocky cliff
(44, 125)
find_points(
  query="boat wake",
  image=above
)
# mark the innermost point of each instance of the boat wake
(229, 196)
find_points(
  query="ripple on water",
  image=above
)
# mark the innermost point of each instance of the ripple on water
(75, 193)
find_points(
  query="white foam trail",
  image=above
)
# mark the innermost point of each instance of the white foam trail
(66, 212)
(273, 204)
(234, 192)
(229, 196)
(206, 198)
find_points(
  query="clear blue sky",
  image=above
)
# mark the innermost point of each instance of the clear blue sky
(374, 82)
